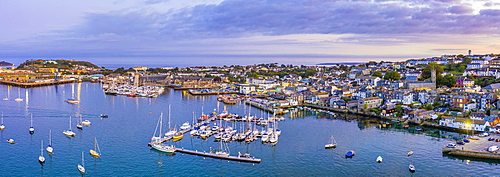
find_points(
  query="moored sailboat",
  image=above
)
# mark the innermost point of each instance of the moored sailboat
(411, 167)
(49, 148)
(69, 132)
(223, 150)
(332, 143)
(81, 167)
(96, 152)
(156, 141)
(41, 158)
(79, 125)
(2, 126)
(72, 100)
(31, 129)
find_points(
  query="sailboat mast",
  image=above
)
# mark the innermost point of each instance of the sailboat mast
(83, 160)
(41, 149)
(161, 122)
(50, 137)
(69, 122)
(169, 116)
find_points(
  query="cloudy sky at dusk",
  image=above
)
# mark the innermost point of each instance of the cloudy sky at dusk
(218, 32)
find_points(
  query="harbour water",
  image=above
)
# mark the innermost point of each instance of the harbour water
(123, 139)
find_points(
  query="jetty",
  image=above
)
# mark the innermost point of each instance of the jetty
(36, 84)
(217, 156)
(212, 91)
(476, 149)
(277, 111)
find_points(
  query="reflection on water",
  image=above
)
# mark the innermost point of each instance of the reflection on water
(467, 160)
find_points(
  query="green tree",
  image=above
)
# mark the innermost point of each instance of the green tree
(449, 80)
(399, 110)
(429, 107)
(253, 75)
(392, 75)
(426, 72)
(119, 70)
(377, 74)
(466, 60)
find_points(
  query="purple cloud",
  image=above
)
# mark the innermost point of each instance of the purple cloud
(237, 18)
(461, 9)
(490, 12)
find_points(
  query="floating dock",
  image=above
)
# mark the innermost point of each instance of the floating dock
(277, 111)
(225, 157)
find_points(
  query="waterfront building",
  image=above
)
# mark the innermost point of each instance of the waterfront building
(463, 123)
(420, 85)
(371, 102)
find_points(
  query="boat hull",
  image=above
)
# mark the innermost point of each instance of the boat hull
(81, 169)
(69, 133)
(163, 148)
(329, 146)
(95, 154)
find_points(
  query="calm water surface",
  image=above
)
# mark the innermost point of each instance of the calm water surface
(123, 139)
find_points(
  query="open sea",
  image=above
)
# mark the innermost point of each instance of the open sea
(123, 139)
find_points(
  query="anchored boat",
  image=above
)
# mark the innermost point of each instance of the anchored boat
(96, 152)
(332, 143)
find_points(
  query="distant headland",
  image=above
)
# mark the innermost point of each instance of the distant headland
(345, 63)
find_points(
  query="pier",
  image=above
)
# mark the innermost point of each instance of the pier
(35, 84)
(225, 157)
(277, 111)
(476, 148)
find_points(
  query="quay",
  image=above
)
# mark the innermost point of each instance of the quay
(210, 92)
(226, 157)
(36, 84)
(277, 111)
(475, 148)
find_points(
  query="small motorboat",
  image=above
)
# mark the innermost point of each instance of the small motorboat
(86, 122)
(411, 168)
(104, 116)
(406, 126)
(410, 153)
(491, 139)
(419, 128)
(11, 141)
(350, 153)
(246, 155)
(379, 159)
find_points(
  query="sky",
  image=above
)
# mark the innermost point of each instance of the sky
(244, 32)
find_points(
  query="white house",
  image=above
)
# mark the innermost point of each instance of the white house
(463, 123)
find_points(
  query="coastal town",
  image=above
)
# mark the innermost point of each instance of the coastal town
(454, 92)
